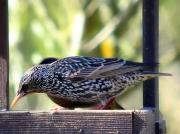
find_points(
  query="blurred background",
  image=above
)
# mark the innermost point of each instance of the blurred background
(101, 28)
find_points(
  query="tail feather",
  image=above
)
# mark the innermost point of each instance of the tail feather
(155, 74)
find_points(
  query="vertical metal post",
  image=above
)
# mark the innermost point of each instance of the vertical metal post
(150, 52)
(4, 55)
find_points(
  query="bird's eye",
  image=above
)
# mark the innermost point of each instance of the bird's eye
(24, 87)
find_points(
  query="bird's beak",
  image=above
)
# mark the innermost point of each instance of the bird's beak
(16, 99)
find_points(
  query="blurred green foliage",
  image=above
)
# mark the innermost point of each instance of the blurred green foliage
(103, 28)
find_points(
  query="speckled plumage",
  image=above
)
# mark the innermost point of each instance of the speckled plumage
(83, 81)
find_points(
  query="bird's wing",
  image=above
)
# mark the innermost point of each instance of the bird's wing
(79, 68)
(105, 69)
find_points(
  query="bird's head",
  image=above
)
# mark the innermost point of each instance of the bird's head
(31, 81)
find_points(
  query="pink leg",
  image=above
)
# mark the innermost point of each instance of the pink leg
(104, 105)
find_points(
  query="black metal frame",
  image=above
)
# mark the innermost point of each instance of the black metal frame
(151, 55)
(150, 51)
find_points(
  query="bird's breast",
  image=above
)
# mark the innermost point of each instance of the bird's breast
(68, 103)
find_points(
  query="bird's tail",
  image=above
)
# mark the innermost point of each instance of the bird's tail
(155, 73)
(150, 74)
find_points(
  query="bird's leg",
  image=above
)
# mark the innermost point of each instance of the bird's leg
(104, 104)
(114, 106)
(109, 104)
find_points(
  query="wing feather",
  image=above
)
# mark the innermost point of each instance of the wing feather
(80, 68)
(103, 68)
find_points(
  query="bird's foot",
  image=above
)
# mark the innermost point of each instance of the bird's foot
(110, 104)
(104, 105)
(57, 109)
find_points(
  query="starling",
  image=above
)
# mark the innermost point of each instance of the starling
(111, 103)
(78, 82)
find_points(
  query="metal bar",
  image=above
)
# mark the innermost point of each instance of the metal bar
(150, 51)
(4, 55)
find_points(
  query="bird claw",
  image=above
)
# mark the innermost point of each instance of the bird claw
(57, 109)
(99, 107)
